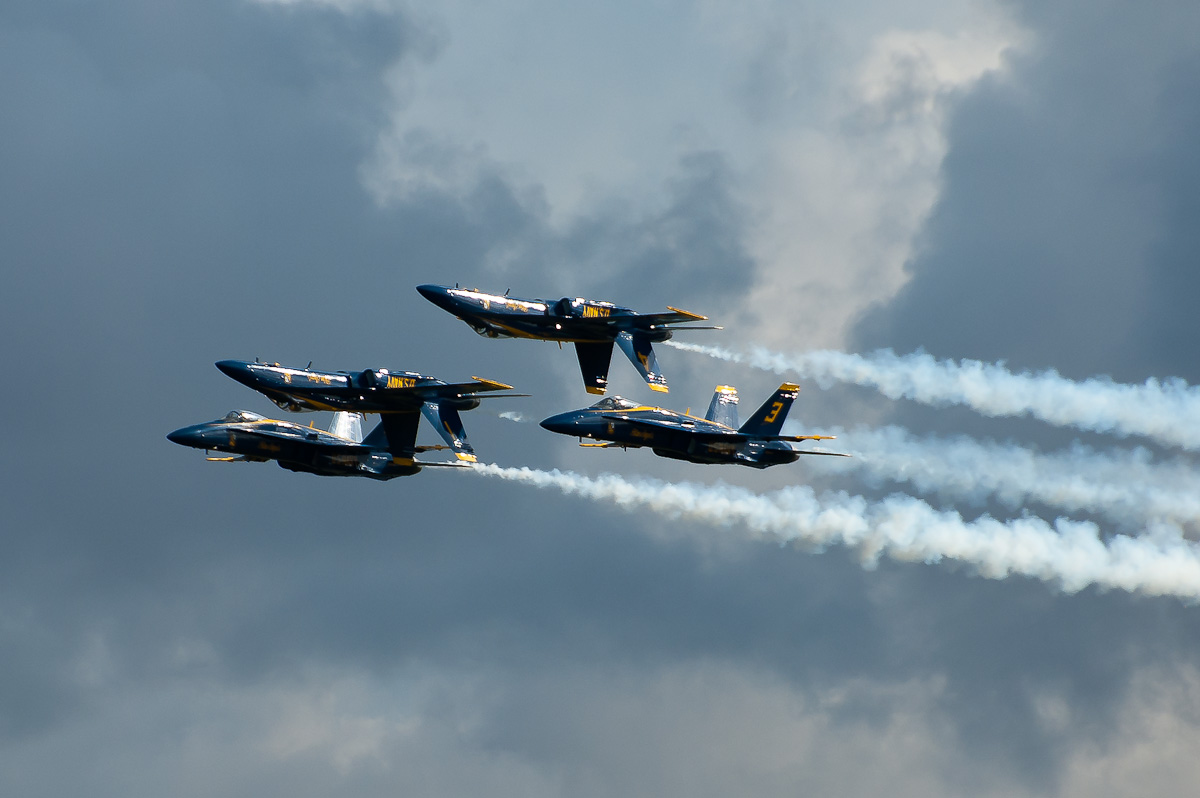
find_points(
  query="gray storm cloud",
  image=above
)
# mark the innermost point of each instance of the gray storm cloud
(1167, 412)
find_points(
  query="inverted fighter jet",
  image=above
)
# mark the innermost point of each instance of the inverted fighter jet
(716, 438)
(246, 437)
(591, 325)
(370, 391)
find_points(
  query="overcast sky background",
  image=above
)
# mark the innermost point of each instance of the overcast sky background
(183, 182)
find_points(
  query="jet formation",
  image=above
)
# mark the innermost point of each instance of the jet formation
(402, 398)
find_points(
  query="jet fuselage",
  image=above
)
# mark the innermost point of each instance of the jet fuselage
(669, 434)
(367, 391)
(251, 437)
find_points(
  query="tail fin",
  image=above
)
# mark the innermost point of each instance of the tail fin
(594, 359)
(347, 425)
(445, 419)
(723, 407)
(397, 433)
(637, 348)
(768, 419)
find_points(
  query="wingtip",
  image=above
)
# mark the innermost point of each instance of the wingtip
(688, 313)
(595, 390)
(492, 385)
(659, 388)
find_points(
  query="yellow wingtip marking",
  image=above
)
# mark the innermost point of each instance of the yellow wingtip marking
(493, 385)
(469, 458)
(659, 388)
(594, 389)
(726, 389)
(688, 313)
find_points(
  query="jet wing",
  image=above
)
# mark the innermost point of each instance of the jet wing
(408, 398)
(646, 320)
(452, 390)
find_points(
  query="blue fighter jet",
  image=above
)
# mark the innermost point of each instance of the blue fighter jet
(370, 391)
(247, 437)
(716, 438)
(591, 325)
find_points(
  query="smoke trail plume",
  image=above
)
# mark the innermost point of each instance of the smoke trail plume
(1068, 553)
(1126, 487)
(1167, 412)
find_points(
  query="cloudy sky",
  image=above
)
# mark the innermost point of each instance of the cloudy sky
(183, 182)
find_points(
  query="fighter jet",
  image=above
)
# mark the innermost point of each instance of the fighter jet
(591, 325)
(716, 438)
(370, 391)
(386, 453)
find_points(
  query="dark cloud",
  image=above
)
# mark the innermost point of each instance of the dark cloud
(1061, 237)
(182, 185)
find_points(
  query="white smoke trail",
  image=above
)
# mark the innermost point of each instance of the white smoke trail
(1167, 412)
(509, 415)
(1068, 553)
(1126, 487)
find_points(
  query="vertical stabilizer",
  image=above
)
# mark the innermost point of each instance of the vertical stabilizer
(768, 419)
(594, 359)
(723, 407)
(445, 419)
(636, 347)
(347, 425)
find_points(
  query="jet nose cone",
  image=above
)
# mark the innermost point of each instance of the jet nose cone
(237, 369)
(186, 436)
(437, 294)
(563, 422)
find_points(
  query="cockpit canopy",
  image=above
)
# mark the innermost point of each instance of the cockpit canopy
(235, 416)
(614, 403)
(565, 307)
